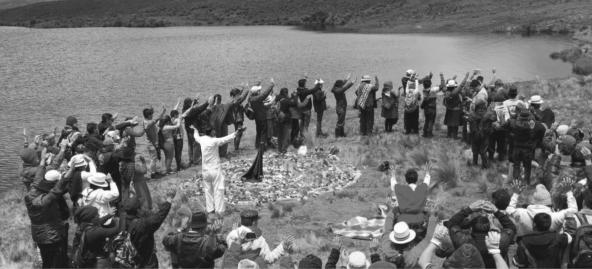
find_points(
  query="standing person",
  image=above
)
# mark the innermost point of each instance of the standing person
(413, 99)
(199, 247)
(429, 105)
(286, 106)
(141, 228)
(77, 174)
(498, 139)
(513, 102)
(49, 212)
(390, 106)
(481, 126)
(339, 89)
(523, 131)
(270, 104)
(320, 105)
(256, 101)
(106, 123)
(127, 155)
(177, 139)
(238, 97)
(93, 236)
(100, 193)
(193, 110)
(545, 116)
(213, 176)
(304, 92)
(151, 130)
(167, 129)
(366, 103)
(453, 101)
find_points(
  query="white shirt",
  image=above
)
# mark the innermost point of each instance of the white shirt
(270, 256)
(511, 105)
(523, 217)
(210, 158)
(100, 198)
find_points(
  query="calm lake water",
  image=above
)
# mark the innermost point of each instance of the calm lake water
(48, 74)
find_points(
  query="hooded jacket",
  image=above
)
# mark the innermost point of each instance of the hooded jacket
(545, 248)
(390, 101)
(48, 211)
(195, 249)
(523, 216)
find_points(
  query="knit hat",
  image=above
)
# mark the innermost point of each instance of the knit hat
(247, 264)
(311, 261)
(86, 214)
(199, 220)
(541, 196)
(366, 78)
(382, 265)
(388, 85)
(29, 156)
(567, 144)
(562, 130)
(357, 259)
(71, 120)
(466, 256)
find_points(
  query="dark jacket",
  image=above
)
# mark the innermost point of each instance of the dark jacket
(302, 94)
(195, 250)
(390, 103)
(371, 100)
(430, 101)
(508, 231)
(142, 231)
(319, 99)
(288, 106)
(545, 248)
(193, 117)
(48, 212)
(481, 123)
(340, 99)
(256, 101)
(524, 134)
(237, 109)
(95, 238)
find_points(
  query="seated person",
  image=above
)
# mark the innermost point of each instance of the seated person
(411, 200)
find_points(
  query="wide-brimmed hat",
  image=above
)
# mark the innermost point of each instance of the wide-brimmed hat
(536, 99)
(357, 259)
(401, 234)
(77, 161)
(256, 88)
(366, 78)
(451, 83)
(247, 264)
(98, 179)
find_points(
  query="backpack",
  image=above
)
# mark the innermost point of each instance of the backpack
(81, 257)
(187, 257)
(249, 112)
(581, 247)
(124, 251)
(411, 101)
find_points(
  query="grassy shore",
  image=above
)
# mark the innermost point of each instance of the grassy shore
(518, 16)
(456, 183)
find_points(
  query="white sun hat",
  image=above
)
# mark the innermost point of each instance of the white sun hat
(536, 99)
(401, 234)
(357, 259)
(451, 83)
(98, 179)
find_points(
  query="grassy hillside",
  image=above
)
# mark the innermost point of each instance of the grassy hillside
(525, 16)
(456, 183)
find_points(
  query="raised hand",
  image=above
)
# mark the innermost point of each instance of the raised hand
(427, 168)
(288, 240)
(492, 241)
(272, 81)
(375, 244)
(337, 242)
(348, 76)
(476, 206)
(586, 153)
(217, 225)
(516, 186)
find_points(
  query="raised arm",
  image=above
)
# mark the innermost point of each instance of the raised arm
(177, 125)
(155, 219)
(265, 93)
(195, 110)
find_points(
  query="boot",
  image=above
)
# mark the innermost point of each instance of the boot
(337, 133)
(342, 131)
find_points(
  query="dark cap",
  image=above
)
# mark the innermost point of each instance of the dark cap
(199, 220)
(311, 261)
(513, 90)
(71, 120)
(301, 82)
(249, 214)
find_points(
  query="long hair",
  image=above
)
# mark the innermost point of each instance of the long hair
(187, 103)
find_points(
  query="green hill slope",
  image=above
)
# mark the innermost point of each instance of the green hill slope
(525, 16)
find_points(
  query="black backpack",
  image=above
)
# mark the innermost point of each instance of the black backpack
(81, 257)
(581, 247)
(186, 254)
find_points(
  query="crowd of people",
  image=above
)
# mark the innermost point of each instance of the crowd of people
(115, 223)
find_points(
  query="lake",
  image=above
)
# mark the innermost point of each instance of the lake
(49, 74)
